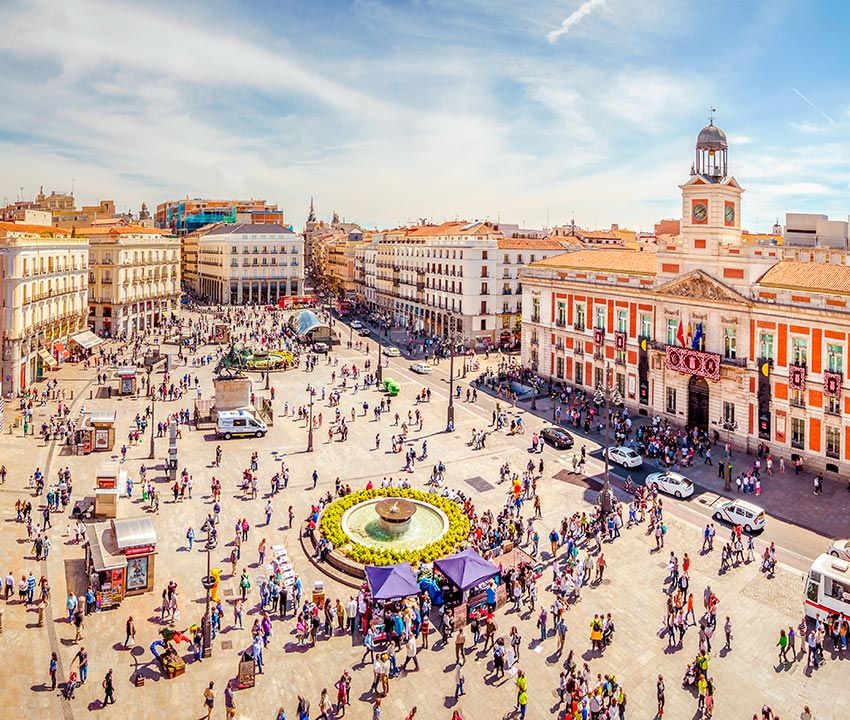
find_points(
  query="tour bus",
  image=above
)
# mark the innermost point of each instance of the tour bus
(232, 423)
(828, 587)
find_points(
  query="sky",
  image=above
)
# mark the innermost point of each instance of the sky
(388, 112)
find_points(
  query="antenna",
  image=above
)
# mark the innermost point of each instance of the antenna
(72, 186)
(711, 115)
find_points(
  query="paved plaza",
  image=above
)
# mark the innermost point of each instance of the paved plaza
(746, 677)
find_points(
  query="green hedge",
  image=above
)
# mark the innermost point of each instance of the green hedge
(457, 534)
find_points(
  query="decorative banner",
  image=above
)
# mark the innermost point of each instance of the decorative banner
(797, 377)
(693, 362)
(832, 384)
(598, 336)
(620, 338)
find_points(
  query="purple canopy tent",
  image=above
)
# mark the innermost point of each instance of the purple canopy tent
(391, 581)
(466, 569)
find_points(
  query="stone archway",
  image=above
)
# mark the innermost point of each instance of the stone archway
(698, 394)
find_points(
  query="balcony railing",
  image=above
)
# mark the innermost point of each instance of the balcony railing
(833, 453)
(734, 362)
(560, 323)
(535, 318)
(797, 402)
(798, 443)
(579, 327)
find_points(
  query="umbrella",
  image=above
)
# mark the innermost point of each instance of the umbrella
(466, 569)
(391, 581)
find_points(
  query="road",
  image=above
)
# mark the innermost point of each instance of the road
(796, 546)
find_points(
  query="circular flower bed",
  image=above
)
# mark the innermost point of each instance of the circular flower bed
(331, 528)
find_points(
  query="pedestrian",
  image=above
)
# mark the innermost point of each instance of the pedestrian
(727, 629)
(53, 668)
(783, 646)
(659, 693)
(229, 701)
(209, 699)
(130, 638)
(108, 689)
(522, 693)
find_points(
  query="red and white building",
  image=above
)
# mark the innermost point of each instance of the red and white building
(708, 329)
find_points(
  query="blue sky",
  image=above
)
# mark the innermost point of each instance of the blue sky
(391, 111)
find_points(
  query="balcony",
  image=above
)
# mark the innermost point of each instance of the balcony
(534, 340)
(561, 323)
(559, 345)
(507, 291)
(797, 402)
(798, 443)
(535, 318)
(734, 362)
(833, 453)
(598, 354)
(579, 327)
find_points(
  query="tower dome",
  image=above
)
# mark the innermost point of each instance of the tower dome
(711, 152)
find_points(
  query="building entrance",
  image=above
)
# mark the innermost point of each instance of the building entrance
(698, 403)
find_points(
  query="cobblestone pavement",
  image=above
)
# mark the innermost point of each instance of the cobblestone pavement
(746, 677)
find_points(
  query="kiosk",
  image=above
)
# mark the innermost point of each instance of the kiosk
(469, 589)
(127, 380)
(101, 430)
(120, 558)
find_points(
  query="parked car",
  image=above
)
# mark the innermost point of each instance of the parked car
(421, 368)
(320, 347)
(364, 332)
(739, 512)
(392, 351)
(671, 483)
(624, 456)
(840, 549)
(557, 437)
(356, 324)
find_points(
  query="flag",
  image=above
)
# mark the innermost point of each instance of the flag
(680, 335)
(698, 335)
(690, 335)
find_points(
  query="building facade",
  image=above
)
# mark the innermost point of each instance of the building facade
(250, 264)
(44, 280)
(456, 277)
(134, 278)
(185, 216)
(709, 330)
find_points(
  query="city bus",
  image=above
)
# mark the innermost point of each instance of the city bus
(828, 587)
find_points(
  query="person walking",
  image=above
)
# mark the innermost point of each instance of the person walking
(229, 701)
(460, 642)
(659, 693)
(130, 637)
(209, 699)
(522, 693)
(108, 689)
(783, 646)
(53, 668)
(727, 629)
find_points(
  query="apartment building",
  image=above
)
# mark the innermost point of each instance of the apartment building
(250, 263)
(186, 216)
(44, 281)
(134, 278)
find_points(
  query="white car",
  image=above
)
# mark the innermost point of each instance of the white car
(356, 324)
(739, 512)
(392, 352)
(840, 549)
(421, 368)
(624, 456)
(671, 483)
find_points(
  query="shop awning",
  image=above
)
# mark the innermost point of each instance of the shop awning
(102, 417)
(392, 581)
(466, 569)
(134, 532)
(126, 372)
(59, 348)
(49, 360)
(102, 547)
(86, 339)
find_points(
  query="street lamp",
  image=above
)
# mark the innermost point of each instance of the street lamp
(450, 414)
(380, 373)
(208, 582)
(605, 495)
(310, 423)
(153, 408)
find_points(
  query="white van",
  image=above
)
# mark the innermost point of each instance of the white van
(828, 587)
(239, 422)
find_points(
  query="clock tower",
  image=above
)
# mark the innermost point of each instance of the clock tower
(711, 199)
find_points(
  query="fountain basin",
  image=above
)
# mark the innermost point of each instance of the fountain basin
(394, 524)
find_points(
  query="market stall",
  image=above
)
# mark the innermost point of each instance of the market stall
(120, 558)
(109, 480)
(83, 343)
(391, 582)
(470, 584)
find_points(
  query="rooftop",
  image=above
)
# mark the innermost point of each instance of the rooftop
(629, 262)
(25, 228)
(251, 229)
(531, 244)
(814, 277)
(121, 229)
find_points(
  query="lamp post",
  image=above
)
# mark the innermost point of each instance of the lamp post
(310, 423)
(207, 581)
(606, 495)
(380, 373)
(153, 408)
(450, 414)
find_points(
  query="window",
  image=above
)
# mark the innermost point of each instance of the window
(485, 290)
(730, 345)
(483, 307)
(798, 433)
(621, 384)
(484, 323)
(579, 373)
(561, 319)
(766, 346)
(798, 399)
(833, 441)
(483, 254)
(622, 321)
(835, 358)
(833, 405)
(671, 400)
(672, 330)
(646, 325)
(799, 351)
(581, 317)
(600, 315)
(559, 368)
(599, 378)
(729, 415)
(535, 309)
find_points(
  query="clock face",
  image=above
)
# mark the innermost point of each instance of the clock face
(700, 212)
(729, 213)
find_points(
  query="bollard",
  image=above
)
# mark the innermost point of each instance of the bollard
(41, 607)
(72, 394)
(2, 611)
(91, 394)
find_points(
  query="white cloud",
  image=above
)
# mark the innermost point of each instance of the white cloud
(583, 10)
